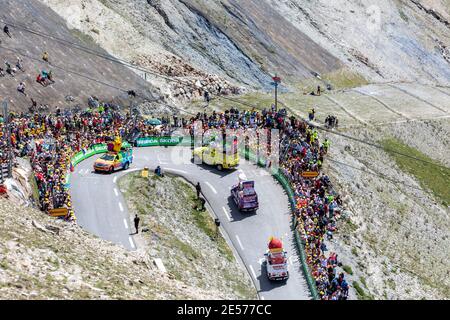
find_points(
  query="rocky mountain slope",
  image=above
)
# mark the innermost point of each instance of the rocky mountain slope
(396, 240)
(77, 74)
(41, 258)
(241, 41)
(385, 41)
(246, 42)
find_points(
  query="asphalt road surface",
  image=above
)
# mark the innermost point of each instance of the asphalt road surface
(101, 209)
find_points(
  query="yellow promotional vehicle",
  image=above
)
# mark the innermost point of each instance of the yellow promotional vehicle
(113, 161)
(214, 157)
(116, 158)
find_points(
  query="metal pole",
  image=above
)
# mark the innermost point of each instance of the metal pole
(276, 96)
(8, 136)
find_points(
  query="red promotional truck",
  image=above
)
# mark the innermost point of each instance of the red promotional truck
(276, 260)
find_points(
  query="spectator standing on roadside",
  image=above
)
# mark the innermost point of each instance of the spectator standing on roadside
(136, 223)
(199, 189)
(326, 145)
(311, 114)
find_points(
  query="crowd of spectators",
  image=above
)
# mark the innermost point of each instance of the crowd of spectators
(51, 140)
(318, 207)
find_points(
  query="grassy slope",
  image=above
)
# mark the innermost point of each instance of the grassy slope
(434, 178)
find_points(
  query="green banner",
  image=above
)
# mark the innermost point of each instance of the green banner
(161, 141)
(95, 149)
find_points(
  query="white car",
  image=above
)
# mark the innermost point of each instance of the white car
(276, 264)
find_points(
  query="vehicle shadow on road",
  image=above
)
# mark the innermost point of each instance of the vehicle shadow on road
(235, 213)
(212, 169)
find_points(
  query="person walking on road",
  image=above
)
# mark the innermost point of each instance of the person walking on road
(136, 223)
(199, 190)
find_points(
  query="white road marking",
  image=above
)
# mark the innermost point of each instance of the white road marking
(115, 179)
(240, 243)
(211, 187)
(131, 242)
(226, 213)
(253, 271)
(120, 206)
(125, 223)
(262, 298)
(116, 192)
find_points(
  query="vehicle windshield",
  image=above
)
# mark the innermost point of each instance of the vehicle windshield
(108, 157)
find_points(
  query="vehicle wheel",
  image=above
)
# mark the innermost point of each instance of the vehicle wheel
(127, 165)
(219, 167)
(197, 159)
(111, 170)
